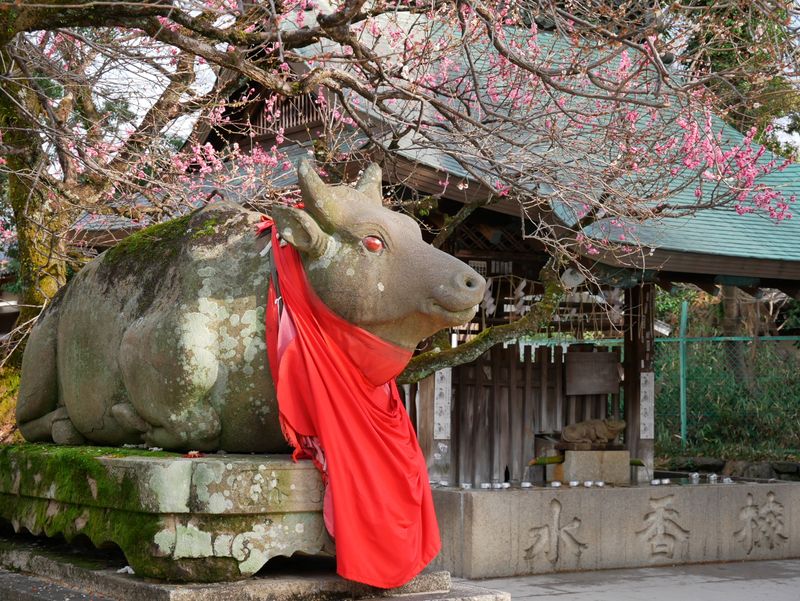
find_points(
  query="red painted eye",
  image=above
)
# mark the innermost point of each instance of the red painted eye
(373, 244)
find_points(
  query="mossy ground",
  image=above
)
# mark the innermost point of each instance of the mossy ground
(9, 387)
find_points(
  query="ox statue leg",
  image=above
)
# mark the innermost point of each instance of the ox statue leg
(39, 415)
(168, 385)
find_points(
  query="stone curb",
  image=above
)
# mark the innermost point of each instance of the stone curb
(24, 587)
(48, 573)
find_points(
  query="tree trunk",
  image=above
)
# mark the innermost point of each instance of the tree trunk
(39, 227)
(732, 326)
(42, 268)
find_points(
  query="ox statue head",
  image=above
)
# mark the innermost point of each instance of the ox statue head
(370, 265)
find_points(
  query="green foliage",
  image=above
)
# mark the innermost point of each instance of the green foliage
(668, 304)
(426, 205)
(118, 109)
(176, 143)
(51, 88)
(9, 386)
(735, 38)
(15, 285)
(792, 315)
(730, 414)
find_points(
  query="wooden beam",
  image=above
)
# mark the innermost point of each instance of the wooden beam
(500, 255)
(680, 262)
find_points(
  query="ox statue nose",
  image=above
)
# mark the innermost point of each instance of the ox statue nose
(473, 281)
(470, 284)
(456, 293)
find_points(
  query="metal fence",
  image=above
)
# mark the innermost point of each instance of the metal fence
(728, 395)
(733, 396)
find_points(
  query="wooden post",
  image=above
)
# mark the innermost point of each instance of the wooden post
(434, 431)
(638, 366)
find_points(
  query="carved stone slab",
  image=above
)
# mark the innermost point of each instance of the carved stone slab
(213, 518)
(491, 534)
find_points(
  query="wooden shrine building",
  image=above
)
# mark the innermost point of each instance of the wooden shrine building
(484, 421)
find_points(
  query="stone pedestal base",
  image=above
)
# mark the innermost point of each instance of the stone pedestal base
(207, 519)
(613, 467)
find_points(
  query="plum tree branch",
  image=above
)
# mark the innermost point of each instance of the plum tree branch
(539, 316)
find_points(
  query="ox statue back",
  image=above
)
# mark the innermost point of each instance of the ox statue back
(160, 340)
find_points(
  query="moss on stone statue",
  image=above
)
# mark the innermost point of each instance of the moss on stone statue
(155, 507)
(131, 531)
(206, 228)
(158, 241)
(162, 240)
(37, 465)
(84, 489)
(148, 257)
(135, 533)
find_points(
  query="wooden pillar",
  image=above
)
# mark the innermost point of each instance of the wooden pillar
(638, 366)
(434, 423)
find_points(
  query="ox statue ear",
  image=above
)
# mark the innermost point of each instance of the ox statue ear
(317, 196)
(300, 230)
(369, 184)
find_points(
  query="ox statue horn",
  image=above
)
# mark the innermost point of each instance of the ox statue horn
(316, 195)
(369, 184)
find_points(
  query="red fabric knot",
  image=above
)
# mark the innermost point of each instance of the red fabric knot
(265, 223)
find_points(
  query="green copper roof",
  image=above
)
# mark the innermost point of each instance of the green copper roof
(721, 230)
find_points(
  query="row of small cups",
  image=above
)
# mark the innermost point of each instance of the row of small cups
(577, 483)
(507, 485)
(712, 478)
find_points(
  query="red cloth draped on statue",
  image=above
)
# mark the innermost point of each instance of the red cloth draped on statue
(336, 390)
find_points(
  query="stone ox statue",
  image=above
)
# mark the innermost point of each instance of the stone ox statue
(161, 339)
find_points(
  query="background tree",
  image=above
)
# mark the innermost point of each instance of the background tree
(580, 111)
(753, 90)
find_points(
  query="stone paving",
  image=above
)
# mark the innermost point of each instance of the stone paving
(773, 580)
(739, 581)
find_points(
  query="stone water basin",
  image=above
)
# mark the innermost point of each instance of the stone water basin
(500, 533)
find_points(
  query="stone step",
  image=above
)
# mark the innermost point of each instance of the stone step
(59, 571)
(461, 591)
(25, 587)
